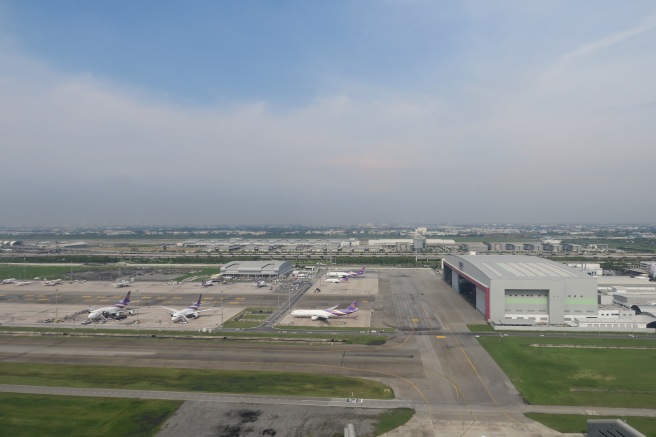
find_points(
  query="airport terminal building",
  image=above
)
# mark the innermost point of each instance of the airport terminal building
(521, 289)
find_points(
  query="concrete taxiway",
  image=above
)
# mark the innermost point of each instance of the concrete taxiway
(432, 361)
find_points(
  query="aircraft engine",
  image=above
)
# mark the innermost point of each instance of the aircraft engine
(314, 318)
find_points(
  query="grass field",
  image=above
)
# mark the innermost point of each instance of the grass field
(29, 272)
(196, 380)
(586, 372)
(41, 415)
(571, 423)
(393, 419)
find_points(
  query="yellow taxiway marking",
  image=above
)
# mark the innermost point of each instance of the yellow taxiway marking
(415, 320)
(440, 336)
(233, 303)
(240, 298)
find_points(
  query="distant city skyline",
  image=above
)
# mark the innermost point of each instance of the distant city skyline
(217, 113)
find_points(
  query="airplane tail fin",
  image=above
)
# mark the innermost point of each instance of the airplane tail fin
(126, 299)
(352, 308)
(197, 304)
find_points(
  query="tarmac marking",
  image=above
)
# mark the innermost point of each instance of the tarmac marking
(440, 336)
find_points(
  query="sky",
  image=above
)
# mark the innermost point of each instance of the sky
(255, 112)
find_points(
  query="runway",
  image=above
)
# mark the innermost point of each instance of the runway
(444, 371)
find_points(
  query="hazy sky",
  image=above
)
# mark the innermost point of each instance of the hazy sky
(326, 112)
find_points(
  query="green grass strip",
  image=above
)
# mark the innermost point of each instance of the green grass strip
(393, 419)
(192, 380)
(572, 423)
(72, 416)
(587, 371)
(346, 338)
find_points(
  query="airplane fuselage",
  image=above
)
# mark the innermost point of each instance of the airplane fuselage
(183, 315)
(104, 312)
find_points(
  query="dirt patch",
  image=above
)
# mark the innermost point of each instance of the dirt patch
(261, 420)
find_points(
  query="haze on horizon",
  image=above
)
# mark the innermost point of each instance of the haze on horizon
(341, 112)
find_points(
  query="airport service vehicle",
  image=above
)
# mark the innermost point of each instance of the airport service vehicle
(191, 312)
(207, 283)
(261, 284)
(110, 312)
(325, 315)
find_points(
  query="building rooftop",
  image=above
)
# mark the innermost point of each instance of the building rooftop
(521, 267)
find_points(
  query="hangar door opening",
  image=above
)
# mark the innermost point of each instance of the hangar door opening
(472, 294)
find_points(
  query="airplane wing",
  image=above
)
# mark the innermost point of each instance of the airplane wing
(331, 308)
(207, 309)
(171, 310)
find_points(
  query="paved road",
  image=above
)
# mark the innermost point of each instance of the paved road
(444, 409)
(446, 374)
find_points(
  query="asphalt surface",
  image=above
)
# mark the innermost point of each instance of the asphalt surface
(433, 363)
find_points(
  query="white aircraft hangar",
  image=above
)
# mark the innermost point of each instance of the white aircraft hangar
(259, 269)
(520, 289)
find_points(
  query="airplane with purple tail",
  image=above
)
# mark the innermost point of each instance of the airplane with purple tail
(345, 274)
(112, 311)
(191, 312)
(325, 315)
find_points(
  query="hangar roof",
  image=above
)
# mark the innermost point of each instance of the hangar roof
(268, 267)
(519, 267)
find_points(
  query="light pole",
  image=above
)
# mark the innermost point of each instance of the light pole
(221, 308)
(56, 305)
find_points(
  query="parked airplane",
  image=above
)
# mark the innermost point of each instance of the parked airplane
(187, 313)
(336, 280)
(21, 283)
(345, 274)
(358, 273)
(113, 311)
(123, 283)
(207, 283)
(8, 281)
(261, 284)
(325, 315)
(51, 282)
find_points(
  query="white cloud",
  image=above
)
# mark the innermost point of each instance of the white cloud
(75, 146)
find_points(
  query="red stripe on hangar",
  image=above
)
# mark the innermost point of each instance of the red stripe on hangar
(478, 284)
(469, 278)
